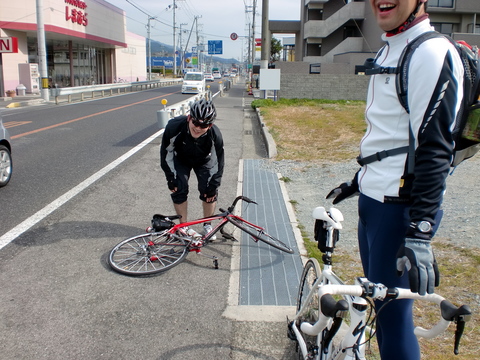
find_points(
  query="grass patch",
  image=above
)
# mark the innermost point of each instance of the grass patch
(314, 130)
(322, 130)
(285, 179)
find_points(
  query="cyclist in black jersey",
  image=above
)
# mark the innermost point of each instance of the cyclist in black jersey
(193, 142)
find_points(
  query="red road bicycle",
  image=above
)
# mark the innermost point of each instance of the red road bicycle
(169, 243)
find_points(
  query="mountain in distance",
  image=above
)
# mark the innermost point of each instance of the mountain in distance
(161, 49)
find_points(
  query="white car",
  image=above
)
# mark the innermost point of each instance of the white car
(209, 77)
(5, 155)
(193, 83)
(217, 75)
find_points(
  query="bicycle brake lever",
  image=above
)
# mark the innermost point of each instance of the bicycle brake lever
(463, 315)
(458, 335)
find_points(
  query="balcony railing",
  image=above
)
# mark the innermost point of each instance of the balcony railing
(323, 28)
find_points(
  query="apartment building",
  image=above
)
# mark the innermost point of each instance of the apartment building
(340, 34)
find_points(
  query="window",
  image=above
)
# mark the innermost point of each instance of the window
(470, 28)
(444, 28)
(441, 3)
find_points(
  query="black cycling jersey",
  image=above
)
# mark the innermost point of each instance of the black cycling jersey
(205, 151)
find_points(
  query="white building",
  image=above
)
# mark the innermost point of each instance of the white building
(86, 41)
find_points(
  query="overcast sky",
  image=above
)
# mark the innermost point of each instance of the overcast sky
(217, 19)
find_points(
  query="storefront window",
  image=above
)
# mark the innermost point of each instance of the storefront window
(70, 63)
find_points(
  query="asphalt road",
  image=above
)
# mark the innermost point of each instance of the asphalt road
(59, 299)
(57, 147)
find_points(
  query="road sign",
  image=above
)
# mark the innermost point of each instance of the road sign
(258, 42)
(234, 36)
(215, 47)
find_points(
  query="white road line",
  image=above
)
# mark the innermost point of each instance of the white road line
(54, 205)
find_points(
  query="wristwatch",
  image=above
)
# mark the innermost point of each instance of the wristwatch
(424, 226)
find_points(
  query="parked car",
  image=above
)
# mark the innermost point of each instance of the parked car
(209, 77)
(193, 83)
(5, 155)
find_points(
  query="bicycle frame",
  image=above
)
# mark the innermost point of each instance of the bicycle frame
(223, 217)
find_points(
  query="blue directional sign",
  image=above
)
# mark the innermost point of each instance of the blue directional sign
(215, 47)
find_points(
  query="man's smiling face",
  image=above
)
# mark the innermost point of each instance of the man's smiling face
(390, 14)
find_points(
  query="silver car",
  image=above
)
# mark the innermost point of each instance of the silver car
(5, 155)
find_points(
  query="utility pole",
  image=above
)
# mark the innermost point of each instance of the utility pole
(182, 53)
(149, 17)
(197, 43)
(253, 33)
(266, 37)
(174, 43)
(42, 53)
(149, 49)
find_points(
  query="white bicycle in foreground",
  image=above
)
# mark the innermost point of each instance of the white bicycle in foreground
(324, 302)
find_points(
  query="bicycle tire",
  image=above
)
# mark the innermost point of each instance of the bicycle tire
(311, 272)
(147, 254)
(260, 234)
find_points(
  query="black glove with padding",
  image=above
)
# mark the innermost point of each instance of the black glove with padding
(416, 256)
(344, 190)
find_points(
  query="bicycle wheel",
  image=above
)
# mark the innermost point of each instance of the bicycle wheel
(310, 306)
(259, 234)
(147, 254)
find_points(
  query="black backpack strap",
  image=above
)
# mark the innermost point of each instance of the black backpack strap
(372, 68)
(401, 80)
(379, 156)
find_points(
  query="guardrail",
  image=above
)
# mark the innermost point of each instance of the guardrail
(183, 107)
(81, 93)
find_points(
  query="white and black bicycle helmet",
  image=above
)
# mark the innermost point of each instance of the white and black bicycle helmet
(204, 111)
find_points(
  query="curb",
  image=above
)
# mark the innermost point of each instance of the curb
(25, 103)
(271, 146)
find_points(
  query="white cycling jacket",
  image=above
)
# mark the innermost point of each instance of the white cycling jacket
(435, 90)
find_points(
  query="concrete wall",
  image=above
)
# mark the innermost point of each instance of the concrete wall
(131, 64)
(323, 86)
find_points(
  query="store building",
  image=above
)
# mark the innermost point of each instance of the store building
(86, 43)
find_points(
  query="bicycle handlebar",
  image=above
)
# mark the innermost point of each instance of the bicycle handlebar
(243, 198)
(365, 288)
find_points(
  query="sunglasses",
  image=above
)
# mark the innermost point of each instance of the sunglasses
(198, 123)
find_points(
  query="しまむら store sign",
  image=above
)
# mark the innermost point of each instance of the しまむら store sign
(8, 45)
(75, 15)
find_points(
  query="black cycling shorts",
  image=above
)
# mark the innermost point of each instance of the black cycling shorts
(203, 174)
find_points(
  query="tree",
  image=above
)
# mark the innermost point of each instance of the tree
(275, 49)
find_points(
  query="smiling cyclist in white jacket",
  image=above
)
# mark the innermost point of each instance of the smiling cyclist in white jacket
(399, 205)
